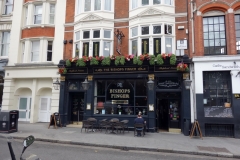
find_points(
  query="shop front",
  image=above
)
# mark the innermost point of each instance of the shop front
(124, 91)
(218, 95)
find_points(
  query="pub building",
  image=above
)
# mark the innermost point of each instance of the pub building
(106, 92)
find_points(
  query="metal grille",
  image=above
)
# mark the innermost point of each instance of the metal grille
(219, 130)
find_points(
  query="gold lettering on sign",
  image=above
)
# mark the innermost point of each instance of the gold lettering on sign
(119, 95)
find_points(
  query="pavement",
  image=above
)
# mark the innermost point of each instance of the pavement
(152, 142)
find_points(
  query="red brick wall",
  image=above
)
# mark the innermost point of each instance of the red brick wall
(27, 1)
(69, 18)
(121, 9)
(38, 32)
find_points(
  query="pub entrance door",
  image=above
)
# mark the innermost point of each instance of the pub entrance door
(76, 107)
(168, 111)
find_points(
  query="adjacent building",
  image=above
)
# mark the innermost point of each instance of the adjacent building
(35, 47)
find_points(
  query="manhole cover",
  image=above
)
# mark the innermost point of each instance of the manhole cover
(213, 149)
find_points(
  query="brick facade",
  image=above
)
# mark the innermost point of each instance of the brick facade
(38, 32)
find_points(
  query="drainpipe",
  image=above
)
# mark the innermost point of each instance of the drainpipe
(192, 20)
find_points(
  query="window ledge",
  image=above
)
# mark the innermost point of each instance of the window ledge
(35, 64)
(6, 15)
(38, 25)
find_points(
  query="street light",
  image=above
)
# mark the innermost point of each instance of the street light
(56, 84)
(187, 83)
(85, 85)
(150, 84)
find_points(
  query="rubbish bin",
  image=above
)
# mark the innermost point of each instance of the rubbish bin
(9, 121)
(186, 128)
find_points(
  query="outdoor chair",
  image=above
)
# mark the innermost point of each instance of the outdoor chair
(93, 122)
(119, 126)
(101, 124)
(139, 128)
(106, 125)
(86, 124)
(125, 124)
(114, 120)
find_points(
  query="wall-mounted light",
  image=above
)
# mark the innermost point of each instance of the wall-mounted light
(85, 85)
(70, 41)
(64, 41)
(150, 84)
(56, 84)
(187, 83)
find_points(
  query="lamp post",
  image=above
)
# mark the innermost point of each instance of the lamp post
(56, 84)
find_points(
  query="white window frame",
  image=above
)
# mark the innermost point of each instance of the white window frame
(105, 2)
(168, 32)
(77, 42)
(135, 54)
(33, 52)
(134, 4)
(80, 6)
(145, 4)
(133, 30)
(26, 15)
(166, 2)
(52, 14)
(85, 6)
(23, 51)
(157, 25)
(166, 44)
(6, 5)
(49, 51)
(36, 14)
(110, 44)
(90, 40)
(5, 45)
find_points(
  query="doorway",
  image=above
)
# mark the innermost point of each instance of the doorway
(76, 107)
(24, 108)
(168, 112)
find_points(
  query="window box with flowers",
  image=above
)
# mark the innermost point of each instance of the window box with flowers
(182, 67)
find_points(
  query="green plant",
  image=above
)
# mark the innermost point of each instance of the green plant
(120, 60)
(81, 62)
(152, 59)
(64, 70)
(94, 61)
(138, 60)
(159, 60)
(173, 59)
(68, 63)
(106, 61)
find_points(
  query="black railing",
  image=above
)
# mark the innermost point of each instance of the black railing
(219, 130)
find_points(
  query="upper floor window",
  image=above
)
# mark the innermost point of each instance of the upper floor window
(49, 50)
(237, 27)
(93, 5)
(8, 7)
(95, 42)
(35, 51)
(38, 14)
(214, 35)
(52, 14)
(153, 39)
(5, 40)
(139, 3)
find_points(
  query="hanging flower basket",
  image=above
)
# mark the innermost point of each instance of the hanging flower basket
(182, 67)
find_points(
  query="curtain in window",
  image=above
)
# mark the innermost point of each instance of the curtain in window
(97, 5)
(106, 48)
(35, 50)
(87, 5)
(169, 2)
(134, 4)
(5, 43)
(134, 47)
(168, 42)
(79, 6)
(107, 5)
(52, 14)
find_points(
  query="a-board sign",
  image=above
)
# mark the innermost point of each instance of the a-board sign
(196, 130)
(55, 120)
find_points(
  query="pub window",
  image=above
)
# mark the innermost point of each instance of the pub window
(214, 35)
(145, 30)
(217, 94)
(145, 46)
(145, 2)
(120, 97)
(96, 49)
(96, 34)
(106, 48)
(168, 42)
(237, 27)
(168, 29)
(134, 47)
(86, 34)
(157, 46)
(157, 29)
(85, 48)
(134, 31)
